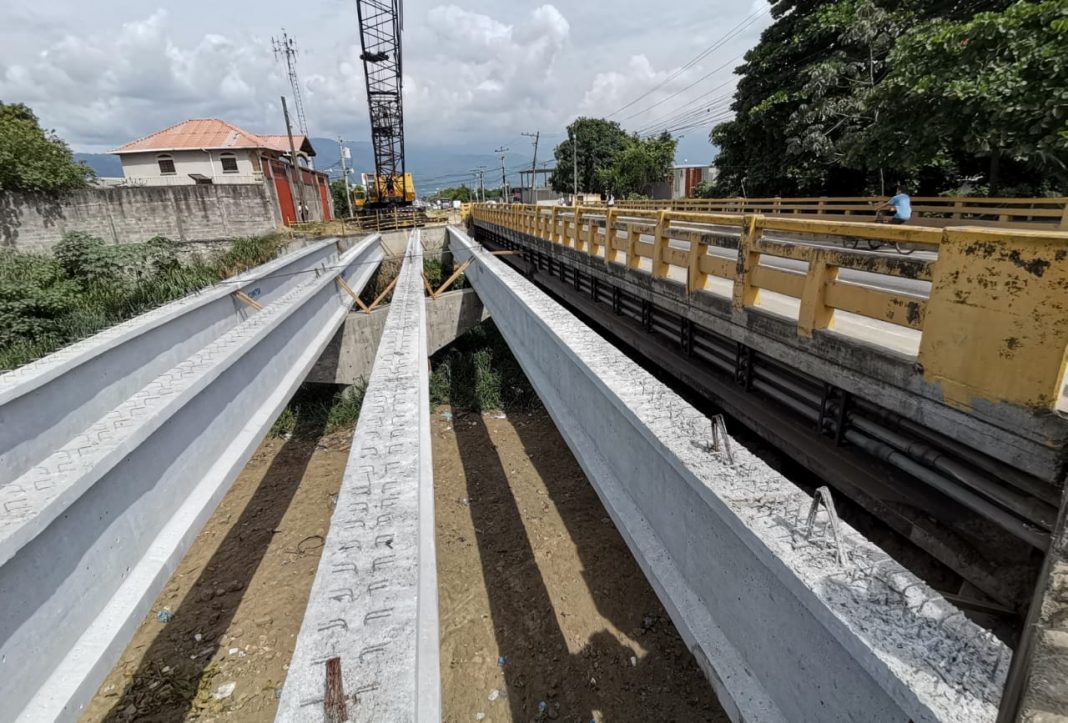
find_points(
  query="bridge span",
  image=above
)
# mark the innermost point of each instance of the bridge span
(662, 344)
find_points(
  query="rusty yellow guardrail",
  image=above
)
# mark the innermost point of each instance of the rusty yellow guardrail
(938, 211)
(994, 327)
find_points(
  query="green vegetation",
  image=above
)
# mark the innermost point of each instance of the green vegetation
(49, 301)
(610, 160)
(318, 409)
(478, 372)
(844, 97)
(32, 159)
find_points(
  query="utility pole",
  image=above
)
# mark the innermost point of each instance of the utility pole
(299, 181)
(574, 161)
(482, 182)
(480, 175)
(342, 150)
(536, 135)
(504, 178)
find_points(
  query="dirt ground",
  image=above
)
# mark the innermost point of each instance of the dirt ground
(237, 598)
(544, 614)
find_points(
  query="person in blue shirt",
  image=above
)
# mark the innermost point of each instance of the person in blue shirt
(900, 204)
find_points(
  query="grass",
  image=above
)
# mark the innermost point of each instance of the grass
(48, 301)
(318, 409)
(478, 372)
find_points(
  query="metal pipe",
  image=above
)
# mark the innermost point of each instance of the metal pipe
(1029, 508)
(999, 470)
(1006, 521)
(1023, 505)
(880, 450)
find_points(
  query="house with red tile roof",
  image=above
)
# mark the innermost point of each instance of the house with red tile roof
(209, 151)
(205, 150)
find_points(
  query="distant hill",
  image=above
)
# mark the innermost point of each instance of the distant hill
(431, 167)
(104, 164)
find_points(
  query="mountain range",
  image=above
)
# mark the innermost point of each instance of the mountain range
(432, 167)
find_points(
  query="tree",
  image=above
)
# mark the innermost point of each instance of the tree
(840, 94)
(600, 142)
(993, 86)
(460, 193)
(32, 159)
(642, 164)
(341, 204)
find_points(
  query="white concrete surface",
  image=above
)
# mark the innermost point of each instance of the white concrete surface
(90, 534)
(374, 601)
(782, 629)
(44, 403)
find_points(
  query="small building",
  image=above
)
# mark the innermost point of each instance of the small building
(205, 151)
(685, 178)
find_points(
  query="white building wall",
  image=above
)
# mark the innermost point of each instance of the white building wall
(142, 169)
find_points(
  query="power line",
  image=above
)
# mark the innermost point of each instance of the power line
(728, 36)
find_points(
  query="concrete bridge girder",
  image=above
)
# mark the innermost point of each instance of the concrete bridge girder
(754, 595)
(90, 534)
(372, 616)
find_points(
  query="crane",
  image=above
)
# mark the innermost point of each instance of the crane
(381, 23)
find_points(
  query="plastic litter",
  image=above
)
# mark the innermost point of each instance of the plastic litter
(165, 615)
(224, 691)
(502, 661)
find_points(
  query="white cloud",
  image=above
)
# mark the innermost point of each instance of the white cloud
(477, 72)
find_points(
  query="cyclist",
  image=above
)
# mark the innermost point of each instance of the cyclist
(900, 204)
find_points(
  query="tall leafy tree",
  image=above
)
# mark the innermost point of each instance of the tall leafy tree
(641, 165)
(599, 143)
(994, 86)
(839, 95)
(32, 159)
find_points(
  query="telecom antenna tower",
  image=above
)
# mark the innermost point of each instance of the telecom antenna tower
(287, 47)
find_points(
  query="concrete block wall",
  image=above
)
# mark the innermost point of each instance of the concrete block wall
(35, 222)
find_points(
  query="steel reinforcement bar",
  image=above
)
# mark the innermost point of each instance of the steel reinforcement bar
(792, 614)
(368, 647)
(90, 534)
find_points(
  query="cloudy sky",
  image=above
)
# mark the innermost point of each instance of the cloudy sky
(477, 73)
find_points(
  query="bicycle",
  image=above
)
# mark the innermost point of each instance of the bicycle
(876, 244)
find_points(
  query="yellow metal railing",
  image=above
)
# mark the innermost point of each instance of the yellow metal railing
(1043, 213)
(994, 326)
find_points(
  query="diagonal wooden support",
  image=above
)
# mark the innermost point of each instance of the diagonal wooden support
(381, 296)
(246, 299)
(455, 275)
(348, 289)
(426, 285)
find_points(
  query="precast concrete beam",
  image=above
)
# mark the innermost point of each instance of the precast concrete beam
(789, 621)
(90, 534)
(371, 625)
(46, 401)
